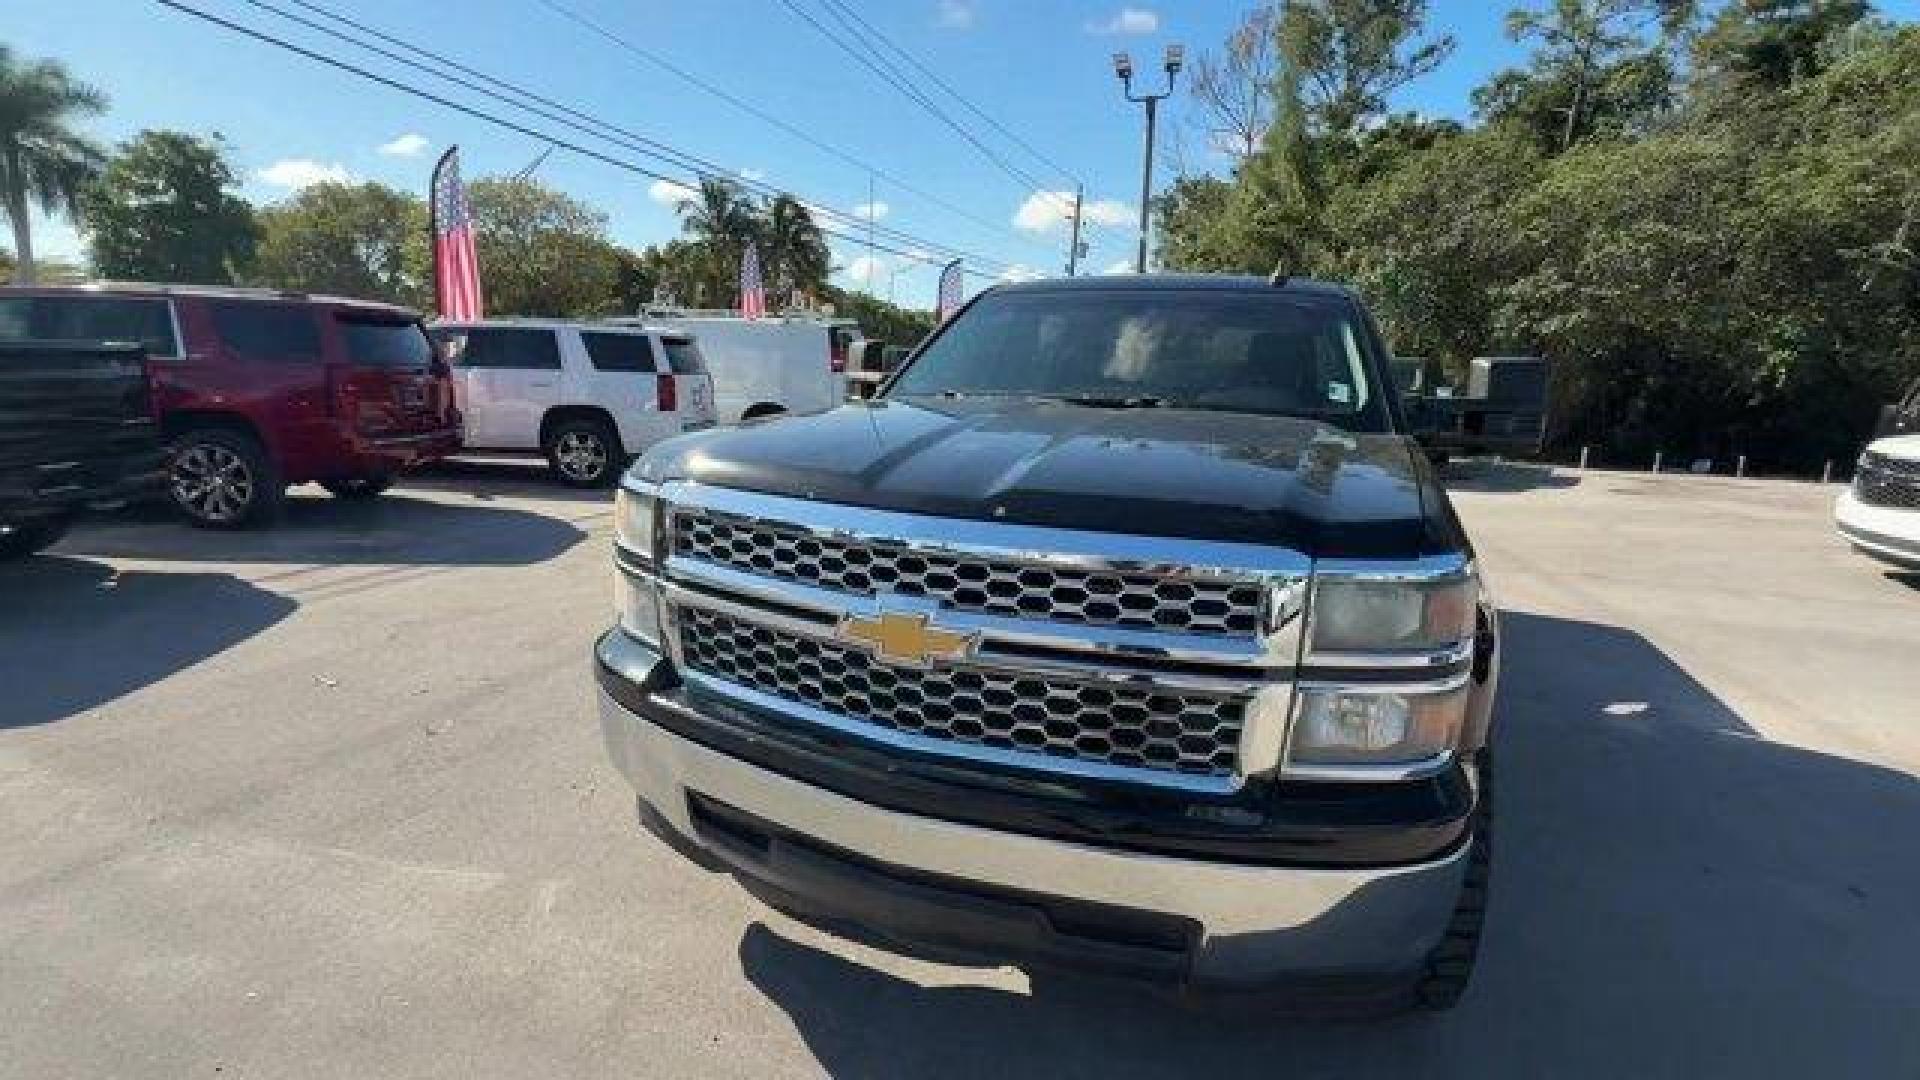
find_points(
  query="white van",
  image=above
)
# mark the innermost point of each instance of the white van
(761, 367)
(587, 395)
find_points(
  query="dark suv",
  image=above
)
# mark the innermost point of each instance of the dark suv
(1127, 629)
(256, 390)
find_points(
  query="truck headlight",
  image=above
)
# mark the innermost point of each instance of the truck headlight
(636, 592)
(1400, 730)
(635, 521)
(1360, 615)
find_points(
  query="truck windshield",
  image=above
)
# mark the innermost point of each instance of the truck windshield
(1183, 349)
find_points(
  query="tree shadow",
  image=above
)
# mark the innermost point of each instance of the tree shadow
(394, 529)
(1481, 474)
(1673, 896)
(74, 634)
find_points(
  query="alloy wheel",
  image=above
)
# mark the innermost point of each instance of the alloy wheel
(582, 456)
(212, 483)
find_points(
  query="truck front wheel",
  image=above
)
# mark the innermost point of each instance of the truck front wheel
(21, 539)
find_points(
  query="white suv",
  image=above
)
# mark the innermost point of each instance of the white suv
(1880, 514)
(587, 395)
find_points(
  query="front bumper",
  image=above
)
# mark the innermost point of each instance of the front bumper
(934, 885)
(1887, 533)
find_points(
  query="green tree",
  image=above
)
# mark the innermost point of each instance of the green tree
(1350, 56)
(1775, 42)
(44, 163)
(165, 210)
(362, 240)
(1584, 43)
(721, 220)
(796, 250)
(543, 253)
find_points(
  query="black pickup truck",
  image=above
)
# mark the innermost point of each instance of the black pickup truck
(1126, 629)
(75, 431)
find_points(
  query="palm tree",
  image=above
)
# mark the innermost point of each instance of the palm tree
(43, 162)
(796, 248)
(723, 220)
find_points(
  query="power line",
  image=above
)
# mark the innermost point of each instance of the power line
(873, 34)
(900, 81)
(774, 119)
(476, 113)
(882, 68)
(546, 109)
(876, 35)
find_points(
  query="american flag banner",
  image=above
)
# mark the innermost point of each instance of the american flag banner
(952, 290)
(456, 263)
(753, 291)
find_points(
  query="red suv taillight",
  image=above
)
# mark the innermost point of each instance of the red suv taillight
(667, 393)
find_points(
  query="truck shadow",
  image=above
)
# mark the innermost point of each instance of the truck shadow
(1505, 476)
(1673, 896)
(74, 634)
(487, 478)
(394, 529)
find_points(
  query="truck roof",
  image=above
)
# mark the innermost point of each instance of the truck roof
(1178, 282)
(215, 292)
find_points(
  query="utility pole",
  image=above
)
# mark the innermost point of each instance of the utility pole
(1073, 248)
(1123, 67)
(870, 216)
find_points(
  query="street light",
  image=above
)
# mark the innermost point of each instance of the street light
(1123, 67)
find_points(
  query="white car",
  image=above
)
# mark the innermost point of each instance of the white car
(587, 395)
(763, 367)
(1880, 514)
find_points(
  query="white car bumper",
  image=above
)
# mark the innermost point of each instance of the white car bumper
(1890, 534)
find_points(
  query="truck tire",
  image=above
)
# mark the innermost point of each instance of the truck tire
(26, 538)
(584, 452)
(358, 488)
(1450, 966)
(224, 479)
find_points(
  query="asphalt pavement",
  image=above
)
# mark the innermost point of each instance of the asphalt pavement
(330, 801)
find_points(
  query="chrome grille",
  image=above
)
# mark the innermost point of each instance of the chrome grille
(1186, 603)
(1125, 726)
(1888, 481)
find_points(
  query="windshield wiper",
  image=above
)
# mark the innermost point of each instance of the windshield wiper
(1097, 401)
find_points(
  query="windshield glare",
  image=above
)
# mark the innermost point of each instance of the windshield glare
(1233, 352)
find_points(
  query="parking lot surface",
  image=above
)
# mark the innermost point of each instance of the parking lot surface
(330, 800)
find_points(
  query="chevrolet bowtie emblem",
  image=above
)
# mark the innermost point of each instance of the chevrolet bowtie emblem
(905, 639)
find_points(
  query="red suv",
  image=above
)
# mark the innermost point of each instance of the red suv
(256, 390)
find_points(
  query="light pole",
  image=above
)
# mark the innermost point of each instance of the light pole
(1123, 67)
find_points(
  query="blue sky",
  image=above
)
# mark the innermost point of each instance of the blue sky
(1039, 67)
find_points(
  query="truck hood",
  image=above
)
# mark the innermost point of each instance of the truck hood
(1268, 480)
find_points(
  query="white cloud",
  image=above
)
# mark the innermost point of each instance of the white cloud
(1021, 272)
(753, 176)
(1128, 20)
(955, 14)
(669, 194)
(296, 173)
(408, 145)
(872, 211)
(866, 270)
(1049, 211)
(1124, 266)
